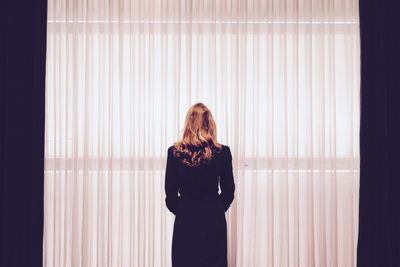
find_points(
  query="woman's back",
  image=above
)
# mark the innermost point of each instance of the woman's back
(200, 230)
(201, 182)
(195, 166)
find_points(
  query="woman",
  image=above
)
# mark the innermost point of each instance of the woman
(195, 165)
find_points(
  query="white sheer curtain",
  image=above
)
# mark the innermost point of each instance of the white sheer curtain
(282, 81)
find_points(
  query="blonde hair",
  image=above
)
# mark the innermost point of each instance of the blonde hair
(199, 132)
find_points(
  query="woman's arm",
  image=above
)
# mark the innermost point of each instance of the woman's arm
(227, 183)
(171, 182)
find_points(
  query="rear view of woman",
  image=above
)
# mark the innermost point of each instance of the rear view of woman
(195, 166)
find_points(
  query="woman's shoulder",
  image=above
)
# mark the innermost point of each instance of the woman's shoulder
(172, 149)
(225, 151)
(225, 148)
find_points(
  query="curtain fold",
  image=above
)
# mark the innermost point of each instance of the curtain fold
(282, 81)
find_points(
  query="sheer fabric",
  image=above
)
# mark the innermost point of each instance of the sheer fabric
(282, 81)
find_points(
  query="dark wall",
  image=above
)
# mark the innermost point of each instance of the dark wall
(22, 117)
(379, 220)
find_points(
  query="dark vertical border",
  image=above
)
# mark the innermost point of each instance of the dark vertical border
(379, 224)
(22, 119)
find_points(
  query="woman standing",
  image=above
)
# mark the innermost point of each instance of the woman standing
(195, 166)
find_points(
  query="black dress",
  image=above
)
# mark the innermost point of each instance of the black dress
(200, 231)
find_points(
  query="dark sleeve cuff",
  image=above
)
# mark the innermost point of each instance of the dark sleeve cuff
(171, 204)
(225, 202)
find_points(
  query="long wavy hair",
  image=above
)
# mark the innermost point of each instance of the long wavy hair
(199, 140)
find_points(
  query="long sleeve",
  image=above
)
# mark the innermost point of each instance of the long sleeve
(171, 182)
(227, 183)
